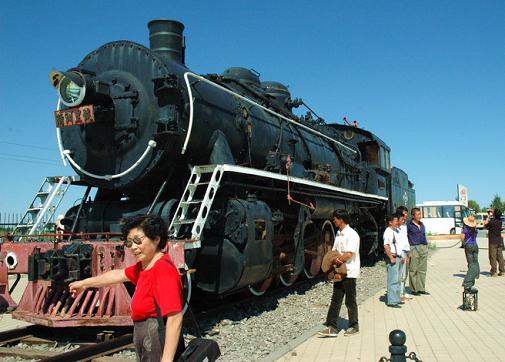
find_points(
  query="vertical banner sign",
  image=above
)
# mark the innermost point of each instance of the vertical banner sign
(463, 194)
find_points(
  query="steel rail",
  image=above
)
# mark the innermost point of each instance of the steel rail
(86, 353)
(18, 333)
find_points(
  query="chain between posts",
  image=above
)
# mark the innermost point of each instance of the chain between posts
(411, 356)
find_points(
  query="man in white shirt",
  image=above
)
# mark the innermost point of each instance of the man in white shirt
(393, 261)
(347, 243)
(403, 242)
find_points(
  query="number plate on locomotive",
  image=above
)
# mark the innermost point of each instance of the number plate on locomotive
(75, 116)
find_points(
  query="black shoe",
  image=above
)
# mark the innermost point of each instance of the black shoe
(465, 307)
(415, 293)
(423, 292)
(393, 306)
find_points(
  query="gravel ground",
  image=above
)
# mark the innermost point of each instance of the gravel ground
(251, 331)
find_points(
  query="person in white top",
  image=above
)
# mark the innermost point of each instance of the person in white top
(347, 243)
(402, 212)
(393, 251)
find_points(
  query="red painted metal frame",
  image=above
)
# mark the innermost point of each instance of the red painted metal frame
(50, 304)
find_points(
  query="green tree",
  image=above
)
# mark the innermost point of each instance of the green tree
(472, 204)
(496, 203)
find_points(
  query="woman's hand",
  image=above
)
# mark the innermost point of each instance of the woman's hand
(110, 277)
(404, 260)
(393, 259)
(77, 287)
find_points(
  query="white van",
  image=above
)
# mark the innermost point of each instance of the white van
(481, 217)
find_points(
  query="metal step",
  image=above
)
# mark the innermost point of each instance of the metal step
(24, 226)
(184, 221)
(194, 186)
(192, 202)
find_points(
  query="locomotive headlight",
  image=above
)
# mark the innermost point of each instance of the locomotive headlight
(71, 87)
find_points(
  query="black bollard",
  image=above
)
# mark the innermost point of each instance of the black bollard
(398, 349)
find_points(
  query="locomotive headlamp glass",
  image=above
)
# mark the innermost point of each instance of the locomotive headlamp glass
(72, 89)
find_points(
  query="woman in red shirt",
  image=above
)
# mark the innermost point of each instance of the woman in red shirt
(158, 286)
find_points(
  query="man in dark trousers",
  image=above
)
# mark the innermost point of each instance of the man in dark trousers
(416, 233)
(494, 225)
(347, 244)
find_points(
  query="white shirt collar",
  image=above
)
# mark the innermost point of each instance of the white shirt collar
(343, 231)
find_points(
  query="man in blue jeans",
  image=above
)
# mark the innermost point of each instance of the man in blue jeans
(393, 260)
(416, 233)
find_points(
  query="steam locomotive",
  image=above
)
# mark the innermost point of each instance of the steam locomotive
(247, 186)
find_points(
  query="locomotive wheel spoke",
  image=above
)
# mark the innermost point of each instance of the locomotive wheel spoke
(314, 251)
(313, 262)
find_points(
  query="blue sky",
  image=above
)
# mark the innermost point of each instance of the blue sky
(428, 77)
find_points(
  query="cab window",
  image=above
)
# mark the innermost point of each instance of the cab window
(372, 153)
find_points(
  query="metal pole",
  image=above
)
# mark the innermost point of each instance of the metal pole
(76, 219)
(157, 197)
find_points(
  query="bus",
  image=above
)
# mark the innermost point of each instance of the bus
(443, 217)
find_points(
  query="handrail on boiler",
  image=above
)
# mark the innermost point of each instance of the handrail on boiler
(245, 99)
(66, 154)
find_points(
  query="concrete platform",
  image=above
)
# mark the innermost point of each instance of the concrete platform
(436, 329)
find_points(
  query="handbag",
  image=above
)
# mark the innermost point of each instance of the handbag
(335, 273)
(199, 350)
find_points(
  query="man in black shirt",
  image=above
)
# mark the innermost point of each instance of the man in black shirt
(494, 226)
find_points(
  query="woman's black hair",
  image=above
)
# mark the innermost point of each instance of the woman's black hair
(152, 226)
(497, 213)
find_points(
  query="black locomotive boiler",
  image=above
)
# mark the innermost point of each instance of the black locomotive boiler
(149, 134)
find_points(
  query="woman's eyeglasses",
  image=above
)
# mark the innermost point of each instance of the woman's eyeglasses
(137, 240)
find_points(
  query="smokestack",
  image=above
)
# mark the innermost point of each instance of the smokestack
(166, 39)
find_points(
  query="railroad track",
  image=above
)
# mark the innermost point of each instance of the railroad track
(83, 348)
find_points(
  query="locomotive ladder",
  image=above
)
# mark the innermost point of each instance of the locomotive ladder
(39, 214)
(195, 204)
